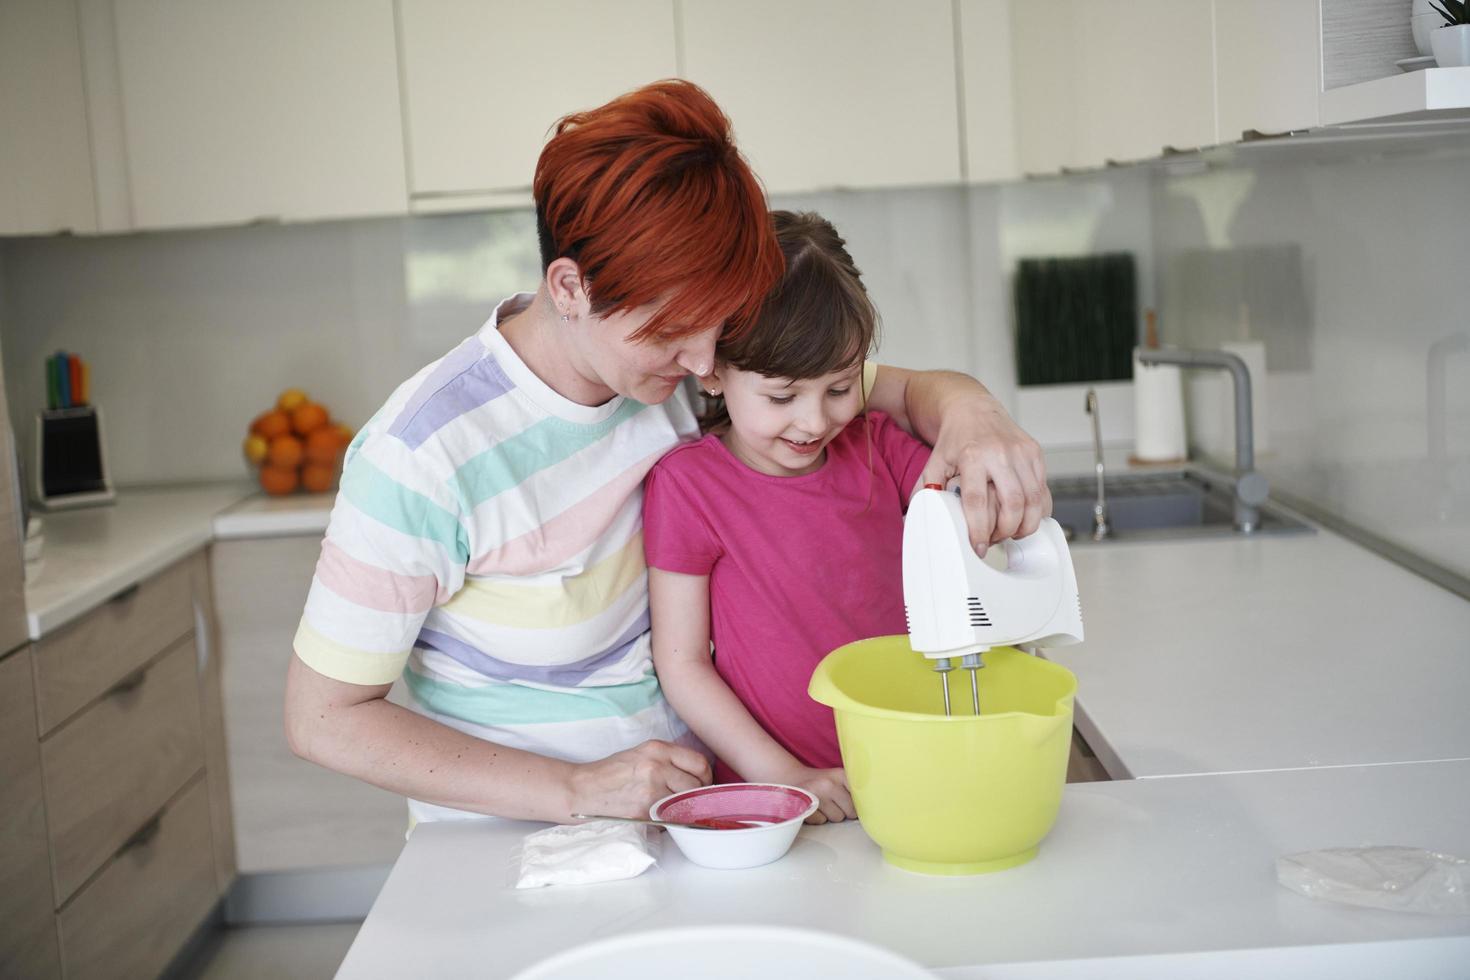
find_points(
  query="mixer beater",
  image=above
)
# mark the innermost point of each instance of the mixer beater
(959, 607)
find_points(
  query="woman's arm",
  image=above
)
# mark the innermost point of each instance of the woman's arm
(1001, 469)
(351, 729)
(680, 608)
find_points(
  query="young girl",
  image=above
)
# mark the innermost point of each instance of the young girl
(778, 535)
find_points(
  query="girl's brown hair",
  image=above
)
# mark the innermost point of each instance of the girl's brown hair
(818, 319)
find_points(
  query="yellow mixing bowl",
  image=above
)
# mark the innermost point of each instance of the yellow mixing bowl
(954, 795)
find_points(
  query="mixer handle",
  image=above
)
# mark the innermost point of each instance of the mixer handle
(1015, 554)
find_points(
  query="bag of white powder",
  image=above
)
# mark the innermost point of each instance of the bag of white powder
(600, 850)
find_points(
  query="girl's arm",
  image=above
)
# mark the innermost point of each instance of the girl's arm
(680, 608)
(1001, 469)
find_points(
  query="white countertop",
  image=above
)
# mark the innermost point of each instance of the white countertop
(1270, 653)
(1297, 687)
(261, 516)
(1144, 868)
(92, 554)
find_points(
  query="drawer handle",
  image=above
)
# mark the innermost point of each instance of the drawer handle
(144, 834)
(129, 683)
(123, 595)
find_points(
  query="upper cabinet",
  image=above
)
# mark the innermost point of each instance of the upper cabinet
(45, 166)
(272, 109)
(983, 31)
(123, 115)
(1145, 77)
(1111, 80)
(484, 80)
(832, 93)
(1268, 58)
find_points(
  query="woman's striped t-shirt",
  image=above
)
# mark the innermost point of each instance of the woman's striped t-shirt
(486, 544)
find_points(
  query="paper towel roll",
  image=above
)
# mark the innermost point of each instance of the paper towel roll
(1158, 413)
(1253, 352)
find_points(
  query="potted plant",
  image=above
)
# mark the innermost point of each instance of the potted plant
(1451, 42)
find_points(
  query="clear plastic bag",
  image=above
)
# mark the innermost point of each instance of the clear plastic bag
(1401, 879)
(599, 850)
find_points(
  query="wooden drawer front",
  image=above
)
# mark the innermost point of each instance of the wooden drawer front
(79, 662)
(27, 922)
(142, 908)
(118, 762)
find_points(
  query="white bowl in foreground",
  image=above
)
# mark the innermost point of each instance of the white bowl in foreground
(726, 953)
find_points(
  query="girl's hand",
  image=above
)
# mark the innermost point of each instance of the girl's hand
(627, 783)
(834, 802)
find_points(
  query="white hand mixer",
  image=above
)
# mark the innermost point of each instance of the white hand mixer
(958, 607)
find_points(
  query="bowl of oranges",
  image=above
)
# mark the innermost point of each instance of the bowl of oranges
(296, 446)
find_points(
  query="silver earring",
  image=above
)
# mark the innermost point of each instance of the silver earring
(565, 317)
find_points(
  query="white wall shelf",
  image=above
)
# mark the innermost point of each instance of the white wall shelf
(1431, 94)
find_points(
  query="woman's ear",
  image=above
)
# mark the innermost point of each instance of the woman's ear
(568, 292)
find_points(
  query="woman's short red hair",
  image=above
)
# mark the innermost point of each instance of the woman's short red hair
(649, 196)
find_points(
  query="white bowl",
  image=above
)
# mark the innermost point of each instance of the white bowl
(726, 953)
(779, 811)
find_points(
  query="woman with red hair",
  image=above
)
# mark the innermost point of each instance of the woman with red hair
(486, 544)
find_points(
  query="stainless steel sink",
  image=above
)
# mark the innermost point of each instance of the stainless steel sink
(1166, 505)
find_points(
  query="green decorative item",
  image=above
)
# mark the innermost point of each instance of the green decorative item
(1454, 12)
(1076, 319)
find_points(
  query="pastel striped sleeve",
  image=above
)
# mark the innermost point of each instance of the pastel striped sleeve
(870, 377)
(395, 547)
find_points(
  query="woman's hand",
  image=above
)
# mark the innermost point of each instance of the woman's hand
(834, 801)
(627, 783)
(1001, 470)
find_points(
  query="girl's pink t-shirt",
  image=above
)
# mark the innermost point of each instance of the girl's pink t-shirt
(798, 566)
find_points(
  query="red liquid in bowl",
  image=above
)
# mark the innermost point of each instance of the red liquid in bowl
(736, 806)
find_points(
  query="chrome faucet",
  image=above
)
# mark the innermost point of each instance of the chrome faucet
(1099, 506)
(1251, 488)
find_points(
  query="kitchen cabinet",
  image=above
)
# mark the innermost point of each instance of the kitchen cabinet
(1043, 87)
(128, 719)
(125, 115)
(484, 80)
(289, 814)
(212, 721)
(147, 901)
(832, 93)
(27, 922)
(110, 644)
(1111, 80)
(1267, 66)
(270, 110)
(113, 768)
(986, 68)
(45, 161)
